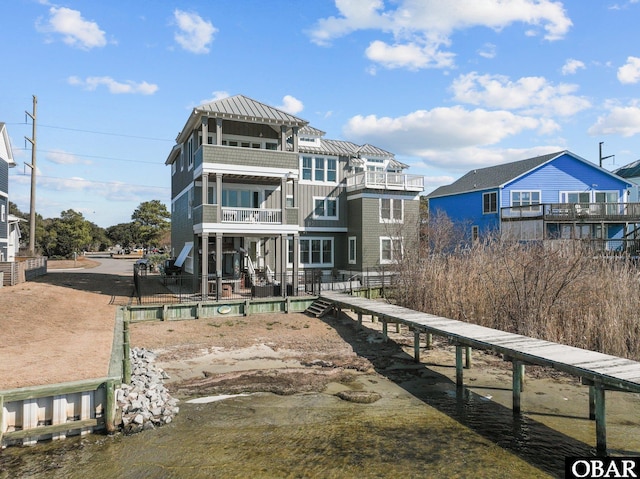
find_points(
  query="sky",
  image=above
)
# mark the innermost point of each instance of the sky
(447, 86)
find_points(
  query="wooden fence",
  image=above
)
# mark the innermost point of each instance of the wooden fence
(23, 269)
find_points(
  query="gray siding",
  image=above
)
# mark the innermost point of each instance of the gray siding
(307, 193)
(4, 177)
(364, 223)
(232, 155)
(181, 225)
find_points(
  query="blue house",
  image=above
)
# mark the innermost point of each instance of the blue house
(554, 197)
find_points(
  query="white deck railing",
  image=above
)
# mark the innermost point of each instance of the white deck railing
(251, 215)
(387, 181)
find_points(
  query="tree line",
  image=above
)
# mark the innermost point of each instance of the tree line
(72, 233)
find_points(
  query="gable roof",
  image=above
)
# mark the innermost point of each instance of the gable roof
(497, 176)
(6, 153)
(492, 176)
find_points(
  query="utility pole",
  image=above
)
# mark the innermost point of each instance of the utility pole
(605, 157)
(32, 208)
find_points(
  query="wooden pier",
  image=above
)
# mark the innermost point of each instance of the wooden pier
(597, 370)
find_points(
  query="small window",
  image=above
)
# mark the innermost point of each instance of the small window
(306, 167)
(390, 250)
(474, 233)
(319, 167)
(352, 250)
(490, 203)
(391, 210)
(289, 201)
(325, 208)
(331, 169)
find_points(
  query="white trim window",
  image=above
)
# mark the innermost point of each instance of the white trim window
(352, 250)
(391, 210)
(325, 208)
(489, 202)
(319, 169)
(526, 200)
(3, 213)
(190, 154)
(316, 251)
(390, 249)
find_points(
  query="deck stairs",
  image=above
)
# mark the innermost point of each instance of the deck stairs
(319, 307)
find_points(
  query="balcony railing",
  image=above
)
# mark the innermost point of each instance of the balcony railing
(385, 181)
(251, 215)
(585, 212)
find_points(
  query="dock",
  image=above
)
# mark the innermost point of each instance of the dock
(599, 371)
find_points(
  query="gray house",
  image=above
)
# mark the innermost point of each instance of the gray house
(6, 162)
(260, 196)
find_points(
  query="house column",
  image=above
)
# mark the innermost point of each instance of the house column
(295, 139)
(283, 138)
(218, 131)
(283, 199)
(296, 259)
(204, 267)
(283, 264)
(218, 198)
(205, 130)
(205, 191)
(218, 265)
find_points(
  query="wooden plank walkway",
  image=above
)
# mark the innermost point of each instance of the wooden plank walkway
(597, 370)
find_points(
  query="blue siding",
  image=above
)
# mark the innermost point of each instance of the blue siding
(565, 173)
(466, 209)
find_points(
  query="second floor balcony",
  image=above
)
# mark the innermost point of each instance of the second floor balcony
(245, 216)
(380, 180)
(570, 212)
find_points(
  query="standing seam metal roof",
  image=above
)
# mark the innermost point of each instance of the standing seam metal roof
(246, 108)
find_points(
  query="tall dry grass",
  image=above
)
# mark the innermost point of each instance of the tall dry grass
(568, 295)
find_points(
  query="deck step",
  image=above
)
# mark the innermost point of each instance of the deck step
(319, 307)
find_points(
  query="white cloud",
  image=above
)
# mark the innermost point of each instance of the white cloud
(422, 29)
(630, 71)
(441, 129)
(291, 105)
(217, 95)
(75, 30)
(195, 34)
(620, 120)
(571, 66)
(464, 159)
(61, 157)
(531, 95)
(488, 50)
(115, 87)
(413, 56)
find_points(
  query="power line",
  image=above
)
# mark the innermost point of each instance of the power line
(80, 155)
(98, 132)
(115, 183)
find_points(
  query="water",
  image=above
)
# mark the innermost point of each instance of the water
(422, 429)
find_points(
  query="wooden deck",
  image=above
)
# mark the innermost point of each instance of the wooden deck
(597, 370)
